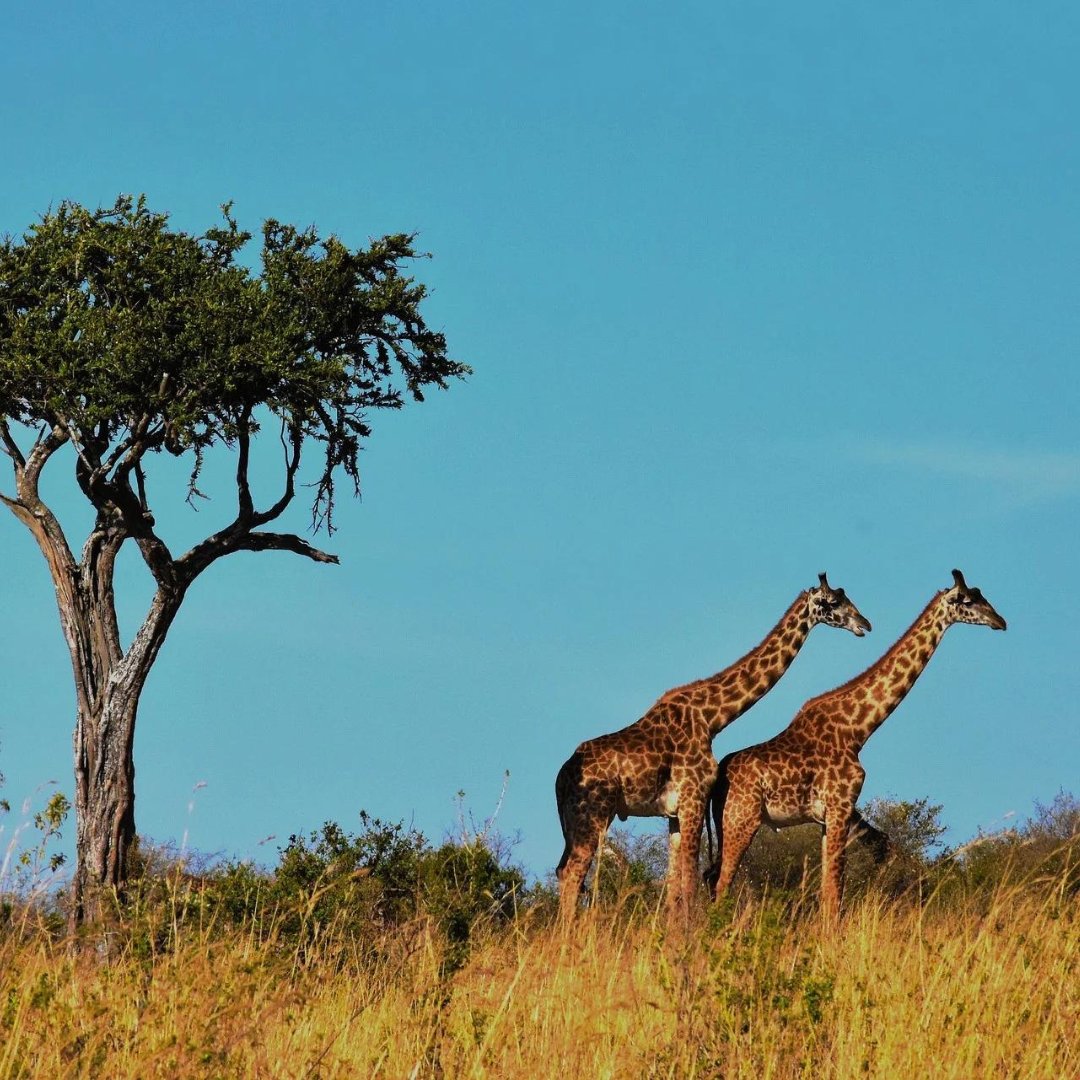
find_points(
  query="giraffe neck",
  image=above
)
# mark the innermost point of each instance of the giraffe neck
(732, 691)
(861, 706)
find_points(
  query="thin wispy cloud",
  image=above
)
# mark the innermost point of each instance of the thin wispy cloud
(1023, 474)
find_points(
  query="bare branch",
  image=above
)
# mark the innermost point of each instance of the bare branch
(139, 524)
(243, 489)
(140, 479)
(17, 509)
(292, 464)
(45, 445)
(132, 450)
(234, 538)
(263, 541)
(11, 447)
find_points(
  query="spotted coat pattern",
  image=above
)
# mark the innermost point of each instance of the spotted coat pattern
(662, 765)
(811, 770)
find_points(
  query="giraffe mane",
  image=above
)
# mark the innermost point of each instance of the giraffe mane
(879, 662)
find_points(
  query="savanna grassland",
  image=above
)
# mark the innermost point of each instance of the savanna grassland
(963, 983)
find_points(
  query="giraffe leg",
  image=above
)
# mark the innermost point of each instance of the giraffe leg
(583, 821)
(574, 865)
(674, 844)
(875, 840)
(683, 886)
(833, 854)
(741, 818)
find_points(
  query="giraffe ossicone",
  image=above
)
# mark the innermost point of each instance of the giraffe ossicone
(662, 765)
(810, 772)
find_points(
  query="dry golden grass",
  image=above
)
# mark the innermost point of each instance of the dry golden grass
(969, 989)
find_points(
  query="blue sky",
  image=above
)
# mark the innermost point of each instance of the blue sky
(749, 292)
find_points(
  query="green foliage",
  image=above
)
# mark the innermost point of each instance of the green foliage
(135, 337)
(328, 883)
(797, 989)
(781, 861)
(460, 884)
(630, 869)
(121, 338)
(36, 865)
(366, 880)
(1045, 848)
(914, 828)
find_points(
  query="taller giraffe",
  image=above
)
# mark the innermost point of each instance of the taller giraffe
(811, 770)
(662, 765)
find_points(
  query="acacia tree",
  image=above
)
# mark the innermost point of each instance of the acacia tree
(121, 338)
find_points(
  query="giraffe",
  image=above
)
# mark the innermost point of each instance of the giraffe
(662, 765)
(811, 771)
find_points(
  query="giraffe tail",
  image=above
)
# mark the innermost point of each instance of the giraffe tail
(715, 816)
(566, 781)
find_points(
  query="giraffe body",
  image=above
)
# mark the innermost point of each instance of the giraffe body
(662, 765)
(811, 772)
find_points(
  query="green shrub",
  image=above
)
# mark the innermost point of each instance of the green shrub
(327, 884)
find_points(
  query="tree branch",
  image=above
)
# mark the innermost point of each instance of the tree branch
(96, 572)
(264, 541)
(44, 448)
(17, 509)
(292, 464)
(246, 508)
(236, 538)
(11, 447)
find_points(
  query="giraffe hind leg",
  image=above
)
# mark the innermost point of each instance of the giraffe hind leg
(577, 858)
(584, 815)
(741, 818)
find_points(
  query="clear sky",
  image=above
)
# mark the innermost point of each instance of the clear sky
(750, 291)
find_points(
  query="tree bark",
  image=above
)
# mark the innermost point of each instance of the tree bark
(104, 806)
(103, 745)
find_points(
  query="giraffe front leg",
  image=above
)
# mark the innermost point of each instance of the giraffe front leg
(834, 842)
(691, 820)
(674, 845)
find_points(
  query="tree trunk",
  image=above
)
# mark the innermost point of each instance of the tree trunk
(104, 803)
(103, 745)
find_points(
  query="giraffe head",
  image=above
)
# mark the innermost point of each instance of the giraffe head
(965, 604)
(832, 607)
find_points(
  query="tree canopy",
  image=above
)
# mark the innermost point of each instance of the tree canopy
(127, 337)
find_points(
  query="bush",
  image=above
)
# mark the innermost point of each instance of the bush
(327, 884)
(630, 869)
(1045, 848)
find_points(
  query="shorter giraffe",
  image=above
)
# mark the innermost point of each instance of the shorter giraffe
(662, 765)
(811, 771)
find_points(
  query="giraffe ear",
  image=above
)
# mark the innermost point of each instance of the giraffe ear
(822, 579)
(959, 579)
